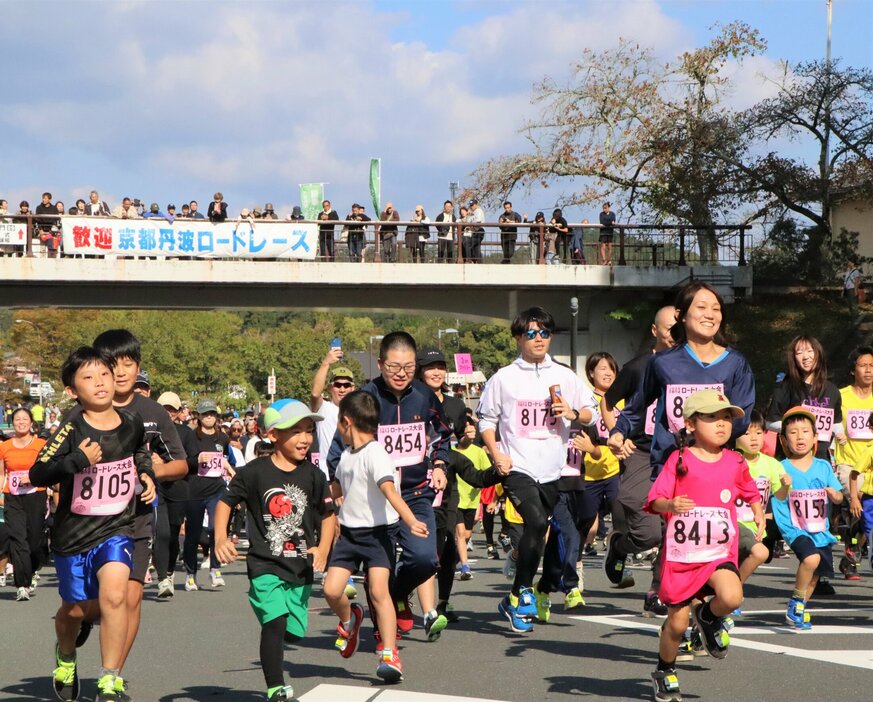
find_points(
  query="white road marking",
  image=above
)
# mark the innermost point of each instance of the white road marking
(349, 693)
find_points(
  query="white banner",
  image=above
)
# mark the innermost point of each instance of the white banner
(98, 236)
(13, 234)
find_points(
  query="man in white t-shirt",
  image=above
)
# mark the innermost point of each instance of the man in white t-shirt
(532, 402)
(341, 383)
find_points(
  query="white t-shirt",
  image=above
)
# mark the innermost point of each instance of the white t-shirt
(360, 473)
(326, 428)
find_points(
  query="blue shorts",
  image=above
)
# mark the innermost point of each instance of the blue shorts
(77, 575)
(867, 514)
(361, 548)
(804, 547)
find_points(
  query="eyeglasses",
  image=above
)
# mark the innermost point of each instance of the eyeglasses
(343, 385)
(397, 368)
(532, 333)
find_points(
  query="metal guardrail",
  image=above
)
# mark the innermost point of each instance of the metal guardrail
(636, 244)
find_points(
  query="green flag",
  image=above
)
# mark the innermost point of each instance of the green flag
(311, 195)
(376, 185)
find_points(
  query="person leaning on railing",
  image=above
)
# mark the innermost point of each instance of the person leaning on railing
(446, 234)
(387, 233)
(534, 237)
(217, 211)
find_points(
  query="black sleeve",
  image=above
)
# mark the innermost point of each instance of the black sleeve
(143, 458)
(192, 450)
(779, 403)
(467, 472)
(626, 383)
(59, 458)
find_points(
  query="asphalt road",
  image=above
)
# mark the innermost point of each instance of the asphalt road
(203, 646)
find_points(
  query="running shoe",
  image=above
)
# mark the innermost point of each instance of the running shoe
(716, 640)
(573, 599)
(491, 553)
(405, 622)
(469, 545)
(191, 584)
(351, 590)
(283, 694)
(84, 632)
(580, 573)
(33, 583)
(217, 580)
(519, 624)
(543, 605)
(347, 640)
(849, 568)
(23, 595)
(434, 623)
(697, 644)
(466, 573)
(652, 605)
(165, 589)
(796, 616)
(106, 691)
(2, 579)
(509, 567)
(666, 684)
(527, 602)
(390, 669)
(613, 564)
(728, 623)
(504, 542)
(121, 687)
(686, 648)
(446, 609)
(824, 588)
(738, 612)
(589, 550)
(65, 678)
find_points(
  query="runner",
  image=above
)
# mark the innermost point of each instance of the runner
(340, 382)
(291, 509)
(25, 504)
(468, 495)
(93, 531)
(532, 402)
(414, 431)
(696, 493)
(633, 529)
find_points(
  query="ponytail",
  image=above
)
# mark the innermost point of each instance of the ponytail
(681, 442)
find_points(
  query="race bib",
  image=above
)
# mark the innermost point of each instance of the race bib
(19, 483)
(856, 425)
(575, 459)
(602, 431)
(676, 396)
(651, 413)
(316, 459)
(405, 443)
(808, 509)
(213, 466)
(744, 510)
(700, 535)
(824, 421)
(104, 489)
(534, 420)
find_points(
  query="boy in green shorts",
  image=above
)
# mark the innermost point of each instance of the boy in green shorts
(286, 497)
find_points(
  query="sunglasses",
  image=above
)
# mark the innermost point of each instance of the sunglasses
(344, 385)
(532, 333)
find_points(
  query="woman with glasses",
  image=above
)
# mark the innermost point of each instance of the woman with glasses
(533, 402)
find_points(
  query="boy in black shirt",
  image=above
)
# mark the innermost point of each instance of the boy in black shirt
(286, 497)
(99, 459)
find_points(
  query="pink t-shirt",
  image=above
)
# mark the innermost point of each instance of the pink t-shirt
(699, 541)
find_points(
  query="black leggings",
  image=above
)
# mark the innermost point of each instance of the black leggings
(273, 651)
(447, 553)
(25, 519)
(168, 523)
(534, 503)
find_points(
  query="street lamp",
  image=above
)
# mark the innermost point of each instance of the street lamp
(39, 365)
(370, 352)
(440, 333)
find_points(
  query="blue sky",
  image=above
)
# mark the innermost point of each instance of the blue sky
(170, 101)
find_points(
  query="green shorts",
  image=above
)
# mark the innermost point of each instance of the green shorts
(271, 597)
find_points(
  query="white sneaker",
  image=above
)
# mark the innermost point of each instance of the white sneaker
(165, 588)
(509, 567)
(9, 569)
(190, 584)
(3, 580)
(470, 546)
(23, 595)
(32, 589)
(205, 564)
(217, 580)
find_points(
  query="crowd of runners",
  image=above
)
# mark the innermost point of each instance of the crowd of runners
(671, 454)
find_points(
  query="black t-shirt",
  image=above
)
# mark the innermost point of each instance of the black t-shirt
(285, 510)
(629, 381)
(784, 398)
(200, 487)
(177, 490)
(455, 412)
(86, 488)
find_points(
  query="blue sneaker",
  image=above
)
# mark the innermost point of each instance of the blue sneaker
(796, 616)
(517, 623)
(738, 612)
(527, 603)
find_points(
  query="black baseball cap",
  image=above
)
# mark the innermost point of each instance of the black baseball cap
(428, 357)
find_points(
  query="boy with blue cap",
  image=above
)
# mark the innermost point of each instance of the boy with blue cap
(287, 497)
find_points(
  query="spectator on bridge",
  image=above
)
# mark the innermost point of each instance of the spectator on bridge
(296, 214)
(4, 207)
(97, 207)
(126, 210)
(217, 211)
(326, 231)
(466, 234)
(171, 211)
(193, 211)
(155, 213)
(417, 234)
(186, 212)
(45, 219)
(607, 220)
(270, 213)
(387, 233)
(577, 244)
(534, 237)
(257, 214)
(79, 209)
(356, 233)
(445, 233)
(476, 216)
(508, 235)
(561, 234)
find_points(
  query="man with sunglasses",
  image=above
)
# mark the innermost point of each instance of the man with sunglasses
(534, 424)
(413, 429)
(342, 382)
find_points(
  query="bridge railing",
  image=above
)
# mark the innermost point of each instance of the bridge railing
(644, 245)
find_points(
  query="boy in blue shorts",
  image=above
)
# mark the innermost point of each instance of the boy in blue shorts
(802, 517)
(293, 522)
(100, 460)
